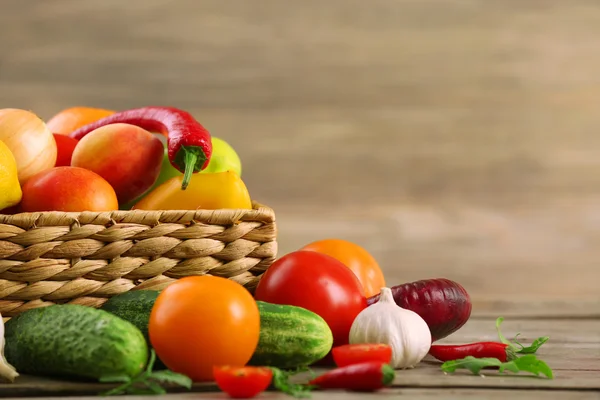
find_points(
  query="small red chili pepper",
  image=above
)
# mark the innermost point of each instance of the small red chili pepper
(366, 376)
(501, 351)
(189, 143)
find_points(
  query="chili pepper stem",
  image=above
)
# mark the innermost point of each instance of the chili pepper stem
(190, 161)
(510, 353)
(388, 374)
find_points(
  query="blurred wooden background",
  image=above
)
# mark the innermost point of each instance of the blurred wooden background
(450, 138)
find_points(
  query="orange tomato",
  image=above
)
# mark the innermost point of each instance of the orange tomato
(199, 322)
(353, 256)
(73, 118)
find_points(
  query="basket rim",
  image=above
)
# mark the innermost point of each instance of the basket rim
(258, 213)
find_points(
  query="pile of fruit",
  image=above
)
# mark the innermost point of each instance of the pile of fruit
(326, 304)
(88, 159)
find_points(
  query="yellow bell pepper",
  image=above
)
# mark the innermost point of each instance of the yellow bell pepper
(211, 191)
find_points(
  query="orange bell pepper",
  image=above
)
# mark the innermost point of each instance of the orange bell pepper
(205, 191)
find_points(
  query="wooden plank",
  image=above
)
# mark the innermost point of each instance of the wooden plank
(427, 375)
(573, 352)
(570, 331)
(413, 394)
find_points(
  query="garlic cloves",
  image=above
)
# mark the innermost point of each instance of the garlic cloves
(386, 322)
(7, 371)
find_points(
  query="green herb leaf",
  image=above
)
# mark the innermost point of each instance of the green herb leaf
(118, 390)
(147, 381)
(151, 361)
(281, 381)
(532, 349)
(500, 335)
(528, 363)
(114, 379)
(471, 363)
(168, 376)
(535, 345)
(155, 388)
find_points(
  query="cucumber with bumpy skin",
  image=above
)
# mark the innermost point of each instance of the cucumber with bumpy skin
(135, 306)
(74, 341)
(290, 337)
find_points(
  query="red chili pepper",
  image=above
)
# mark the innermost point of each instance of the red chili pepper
(366, 376)
(501, 351)
(189, 143)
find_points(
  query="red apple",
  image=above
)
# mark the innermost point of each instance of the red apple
(127, 156)
(68, 189)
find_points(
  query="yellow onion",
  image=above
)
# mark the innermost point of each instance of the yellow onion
(30, 141)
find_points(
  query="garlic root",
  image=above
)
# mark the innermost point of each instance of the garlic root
(7, 371)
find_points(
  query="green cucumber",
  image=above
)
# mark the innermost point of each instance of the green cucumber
(290, 337)
(135, 306)
(74, 341)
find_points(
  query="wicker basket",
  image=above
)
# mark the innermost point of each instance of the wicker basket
(85, 258)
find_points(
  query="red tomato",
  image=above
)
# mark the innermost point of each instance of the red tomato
(242, 382)
(358, 353)
(64, 149)
(319, 283)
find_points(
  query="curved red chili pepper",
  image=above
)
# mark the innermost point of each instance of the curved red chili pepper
(366, 376)
(189, 143)
(501, 351)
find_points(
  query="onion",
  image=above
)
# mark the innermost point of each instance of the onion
(30, 141)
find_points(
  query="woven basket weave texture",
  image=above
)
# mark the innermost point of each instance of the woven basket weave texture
(85, 258)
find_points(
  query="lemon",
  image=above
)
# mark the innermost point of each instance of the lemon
(10, 189)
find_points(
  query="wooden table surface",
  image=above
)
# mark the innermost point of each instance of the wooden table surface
(454, 139)
(573, 353)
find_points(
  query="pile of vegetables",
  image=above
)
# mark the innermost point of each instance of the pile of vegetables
(309, 309)
(325, 304)
(88, 159)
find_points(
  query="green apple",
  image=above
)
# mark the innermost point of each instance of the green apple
(223, 158)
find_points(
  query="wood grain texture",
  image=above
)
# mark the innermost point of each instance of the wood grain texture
(573, 352)
(450, 138)
(413, 394)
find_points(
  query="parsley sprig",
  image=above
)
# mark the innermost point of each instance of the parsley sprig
(147, 382)
(524, 360)
(527, 363)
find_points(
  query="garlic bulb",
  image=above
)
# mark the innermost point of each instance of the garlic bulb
(386, 322)
(7, 371)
